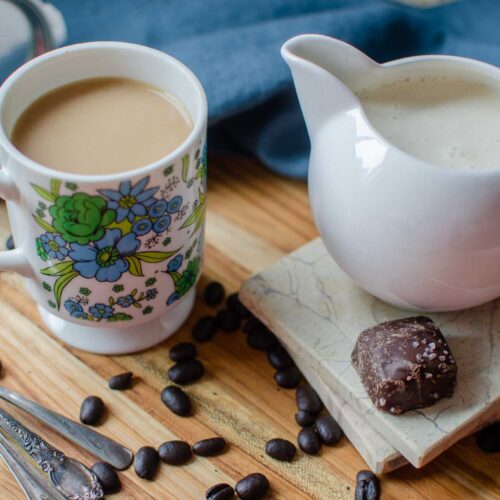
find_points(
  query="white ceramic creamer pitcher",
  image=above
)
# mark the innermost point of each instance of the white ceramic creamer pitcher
(417, 235)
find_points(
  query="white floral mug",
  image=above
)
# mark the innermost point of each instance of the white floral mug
(103, 255)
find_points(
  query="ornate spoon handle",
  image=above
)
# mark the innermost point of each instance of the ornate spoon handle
(101, 446)
(70, 477)
(32, 485)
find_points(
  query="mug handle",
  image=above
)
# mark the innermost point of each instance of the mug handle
(12, 260)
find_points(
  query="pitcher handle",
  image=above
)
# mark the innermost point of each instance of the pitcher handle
(12, 260)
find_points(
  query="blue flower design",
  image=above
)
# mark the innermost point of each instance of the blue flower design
(130, 201)
(151, 294)
(101, 311)
(105, 260)
(158, 208)
(162, 224)
(175, 264)
(126, 301)
(141, 227)
(174, 205)
(54, 245)
(75, 309)
(172, 298)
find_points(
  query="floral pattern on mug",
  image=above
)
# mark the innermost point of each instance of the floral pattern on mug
(118, 232)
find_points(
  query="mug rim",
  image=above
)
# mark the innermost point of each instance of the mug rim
(199, 125)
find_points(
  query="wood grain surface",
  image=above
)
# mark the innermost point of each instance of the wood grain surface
(254, 217)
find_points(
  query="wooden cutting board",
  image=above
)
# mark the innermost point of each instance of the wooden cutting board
(254, 218)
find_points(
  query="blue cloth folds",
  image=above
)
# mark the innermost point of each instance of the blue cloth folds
(234, 48)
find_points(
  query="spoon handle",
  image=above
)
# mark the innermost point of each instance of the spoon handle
(99, 445)
(71, 478)
(32, 484)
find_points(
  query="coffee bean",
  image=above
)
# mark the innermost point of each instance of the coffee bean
(278, 358)
(308, 440)
(328, 430)
(186, 372)
(209, 447)
(367, 489)
(176, 400)
(304, 418)
(228, 320)
(221, 491)
(175, 452)
(214, 293)
(488, 439)
(252, 324)
(307, 399)
(261, 339)
(108, 477)
(281, 449)
(252, 487)
(182, 351)
(289, 378)
(204, 329)
(92, 410)
(364, 475)
(121, 381)
(9, 243)
(234, 303)
(146, 462)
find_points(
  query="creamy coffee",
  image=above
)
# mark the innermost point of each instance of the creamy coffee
(449, 120)
(101, 126)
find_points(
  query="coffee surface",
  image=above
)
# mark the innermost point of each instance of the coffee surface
(446, 119)
(101, 126)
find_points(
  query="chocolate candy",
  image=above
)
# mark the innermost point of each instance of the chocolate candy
(289, 378)
(405, 364)
(308, 441)
(228, 320)
(307, 399)
(233, 302)
(304, 418)
(278, 358)
(367, 487)
(488, 439)
(328, 430)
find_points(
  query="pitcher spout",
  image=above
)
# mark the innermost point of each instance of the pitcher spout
(324, 70)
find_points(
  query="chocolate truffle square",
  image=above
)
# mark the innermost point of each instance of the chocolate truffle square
(405, 364)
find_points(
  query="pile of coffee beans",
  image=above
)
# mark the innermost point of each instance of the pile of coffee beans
(367, 486)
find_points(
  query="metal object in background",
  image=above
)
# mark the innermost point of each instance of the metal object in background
(68, 476)
(28, 28)
(99, 445)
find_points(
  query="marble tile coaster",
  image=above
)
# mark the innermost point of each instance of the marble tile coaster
(311, 304)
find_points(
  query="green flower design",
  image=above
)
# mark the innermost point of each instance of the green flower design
(118, 288)
(85, 291)
(71, 186)
(188, 278)
(51, 304)
(40, 250)
(81, 218)
(168, 170)
(147, 310)
(46, 286)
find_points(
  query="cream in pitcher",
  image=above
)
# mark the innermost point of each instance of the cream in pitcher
(404, 176)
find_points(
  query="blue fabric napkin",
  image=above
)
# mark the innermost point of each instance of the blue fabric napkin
(234, 48)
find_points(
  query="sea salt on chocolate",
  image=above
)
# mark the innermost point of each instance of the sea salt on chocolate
(405, 364)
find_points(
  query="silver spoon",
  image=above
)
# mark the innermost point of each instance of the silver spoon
(99, 445)
(70, 477)
(31, 483)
